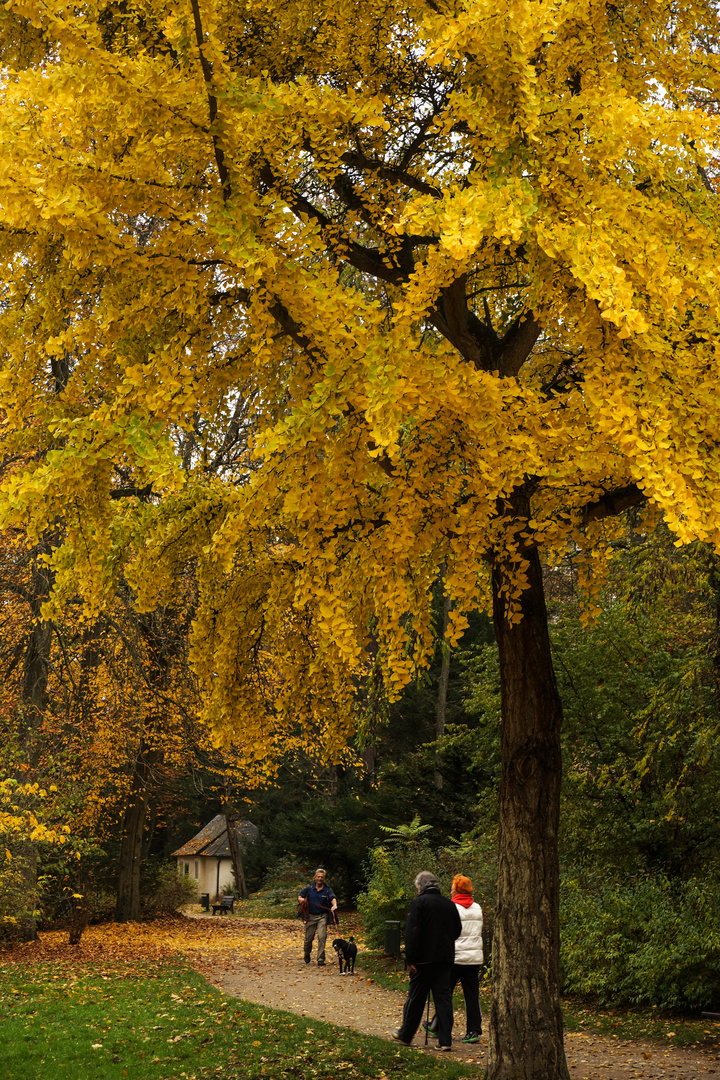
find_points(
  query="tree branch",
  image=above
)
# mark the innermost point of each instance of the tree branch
(613, 503)
(212, 102)
(389, 172)
(367, 260)
(133, 491)
(474, 340)
(518, 344)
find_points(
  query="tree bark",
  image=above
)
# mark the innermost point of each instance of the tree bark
(79, 917)
(441, 710)
(714, 577)
(526, 1027)
(34, 702)
(233, 844)
(368, 759)
(128, 889)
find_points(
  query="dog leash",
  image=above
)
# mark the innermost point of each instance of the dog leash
(333, 914)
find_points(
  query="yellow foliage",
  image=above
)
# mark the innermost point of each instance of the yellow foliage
(415, 266)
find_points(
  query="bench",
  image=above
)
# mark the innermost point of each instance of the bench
(226, 904)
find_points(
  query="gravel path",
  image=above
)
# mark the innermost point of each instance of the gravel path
(267, 968)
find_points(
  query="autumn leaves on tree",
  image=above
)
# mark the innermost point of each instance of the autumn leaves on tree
(347, 294)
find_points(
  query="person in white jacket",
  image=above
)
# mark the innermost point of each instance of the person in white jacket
(468, 957)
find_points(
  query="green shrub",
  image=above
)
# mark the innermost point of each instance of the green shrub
(171, 891)
(393, 867)
(17, 900)
(646, 942)
(391, 887)
(29, 829)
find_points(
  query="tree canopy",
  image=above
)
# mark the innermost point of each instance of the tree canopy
(412, 260)
(324, 298)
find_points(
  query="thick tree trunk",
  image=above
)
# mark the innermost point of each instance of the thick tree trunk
(441, 710)
(233, 844)
(526, 1028)
(128, 890)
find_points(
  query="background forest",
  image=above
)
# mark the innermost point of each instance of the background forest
(105, 752)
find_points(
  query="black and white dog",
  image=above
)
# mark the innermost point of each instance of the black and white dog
(346, 953)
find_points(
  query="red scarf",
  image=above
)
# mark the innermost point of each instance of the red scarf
(464, 899)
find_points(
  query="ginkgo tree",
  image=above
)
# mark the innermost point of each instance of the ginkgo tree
(451, 264)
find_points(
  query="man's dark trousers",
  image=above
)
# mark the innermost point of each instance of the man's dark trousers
(438, 978)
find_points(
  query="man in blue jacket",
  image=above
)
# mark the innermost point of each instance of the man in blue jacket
(431, 928)
(321, 904)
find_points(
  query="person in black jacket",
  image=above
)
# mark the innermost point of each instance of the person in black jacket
(431, 928)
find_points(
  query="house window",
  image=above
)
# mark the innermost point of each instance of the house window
(187, 869)
(197, 869)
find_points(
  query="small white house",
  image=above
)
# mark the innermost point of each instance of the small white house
(206, 857)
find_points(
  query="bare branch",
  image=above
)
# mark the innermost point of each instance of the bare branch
(212, 102)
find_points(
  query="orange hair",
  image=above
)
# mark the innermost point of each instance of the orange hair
(462, 884)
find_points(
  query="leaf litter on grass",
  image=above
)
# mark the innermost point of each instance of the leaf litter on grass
(221, 947)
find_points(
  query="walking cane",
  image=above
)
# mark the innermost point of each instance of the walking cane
(427, 1019)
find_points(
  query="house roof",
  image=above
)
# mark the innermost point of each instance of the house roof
(213, 840)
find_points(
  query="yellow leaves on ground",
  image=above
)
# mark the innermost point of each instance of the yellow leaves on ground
(204, 941)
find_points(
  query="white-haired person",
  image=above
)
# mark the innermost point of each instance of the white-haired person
(431, 928)
(321, 905)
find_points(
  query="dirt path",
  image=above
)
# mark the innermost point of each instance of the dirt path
(267, 968)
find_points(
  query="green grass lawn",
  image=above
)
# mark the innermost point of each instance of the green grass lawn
(164, 1022)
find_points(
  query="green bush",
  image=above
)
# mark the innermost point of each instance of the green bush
(17, 900)
(391, 887)
(171, 891)
(647, 942)
(393, 867)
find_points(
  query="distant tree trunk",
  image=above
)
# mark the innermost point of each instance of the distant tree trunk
(332, 783)
(159, 646)
(368, 759)
(34, 702)
(79, 915)
(128, 889)
(36, 663)
(231, 823)
(714, 576)
(151, 827)
(443, 684)
(526, 1027)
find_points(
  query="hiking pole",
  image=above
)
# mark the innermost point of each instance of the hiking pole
(427, 1019)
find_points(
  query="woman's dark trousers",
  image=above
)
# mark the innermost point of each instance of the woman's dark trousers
(468, 975)
(429, 977)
